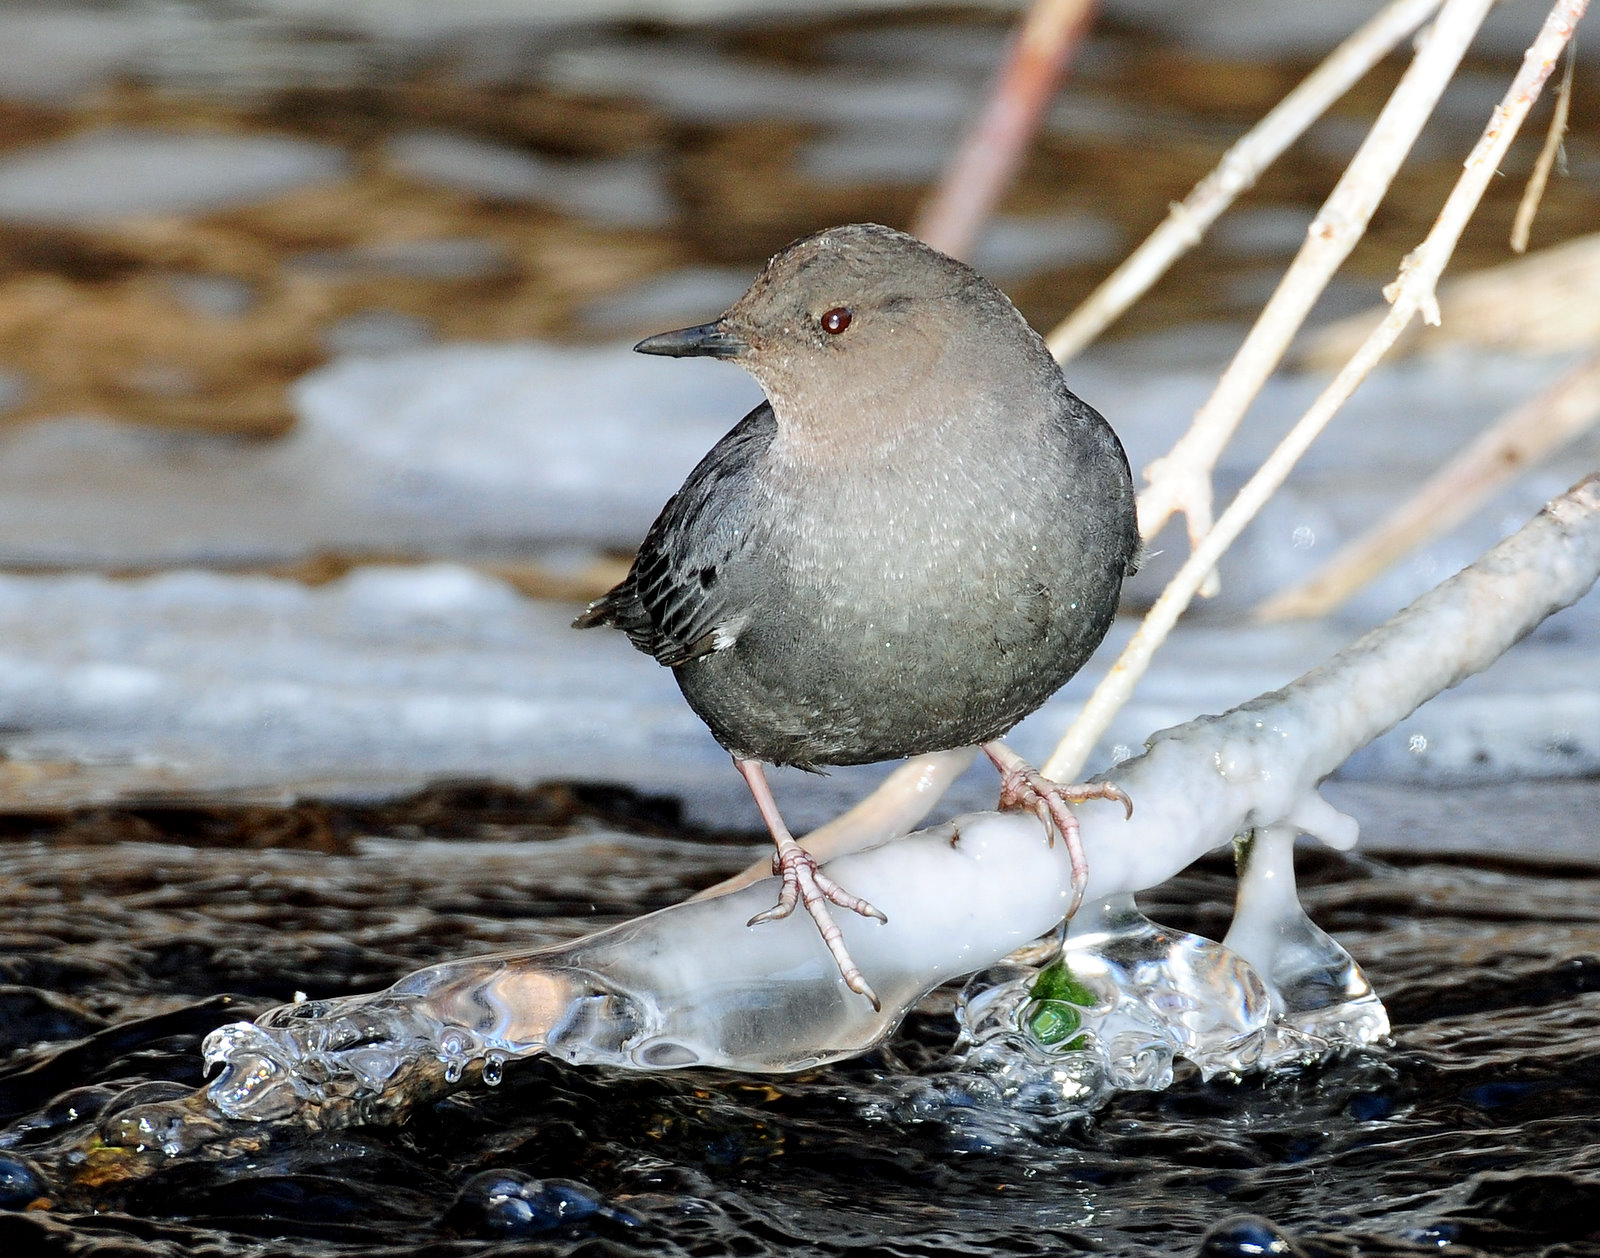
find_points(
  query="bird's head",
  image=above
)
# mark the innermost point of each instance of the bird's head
(866, 313)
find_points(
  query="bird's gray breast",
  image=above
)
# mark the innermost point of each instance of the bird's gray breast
(916, 603)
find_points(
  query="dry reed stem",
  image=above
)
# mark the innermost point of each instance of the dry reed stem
(1180, 481)
(1547, 302)
(1499, 454)
(992, 151)
(1236, 173)
(1522, 225)
(1412, 292)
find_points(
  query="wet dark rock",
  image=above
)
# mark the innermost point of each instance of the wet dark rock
(1506, 1208)
(513, 1205)
(20, 1182)
(113, 1051)
(77, 1105)
(30, 1016)
(1248, 1236)
(141, 1094)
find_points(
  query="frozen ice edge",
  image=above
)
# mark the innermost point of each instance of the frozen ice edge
(193, 683)
(692, 985)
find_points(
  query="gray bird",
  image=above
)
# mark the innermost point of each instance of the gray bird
(910, 546)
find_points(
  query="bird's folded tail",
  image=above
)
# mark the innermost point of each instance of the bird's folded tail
(624, 609)
(603, 611)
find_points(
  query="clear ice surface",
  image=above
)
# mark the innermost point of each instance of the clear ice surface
(1149, 996)
(691, 985)
(1146, 996)
(1320, 997)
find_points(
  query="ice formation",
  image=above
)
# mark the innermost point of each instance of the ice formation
(693, 985)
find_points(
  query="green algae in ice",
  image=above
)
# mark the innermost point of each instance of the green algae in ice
(1054, 1011)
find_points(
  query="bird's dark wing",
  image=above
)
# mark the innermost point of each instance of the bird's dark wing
(675, 603)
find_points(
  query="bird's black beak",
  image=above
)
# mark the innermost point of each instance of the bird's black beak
(709, 340)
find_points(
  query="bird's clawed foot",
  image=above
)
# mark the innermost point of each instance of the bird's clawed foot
(1023, 786)
(805, 883)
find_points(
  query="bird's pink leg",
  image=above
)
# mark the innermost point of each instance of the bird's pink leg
(805, 883)
(1023, 786)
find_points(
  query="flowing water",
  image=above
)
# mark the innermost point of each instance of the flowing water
(129, 935)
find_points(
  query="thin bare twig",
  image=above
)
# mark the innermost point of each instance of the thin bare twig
(1545, 303)
(1181, 480)
(1522, 226)
(991, 153)
(1412, 292)
(1503, 451)
(1236, 173)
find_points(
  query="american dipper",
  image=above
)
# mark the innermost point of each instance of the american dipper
(911, 545)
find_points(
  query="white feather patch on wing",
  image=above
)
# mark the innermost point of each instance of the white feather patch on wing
(727, 633)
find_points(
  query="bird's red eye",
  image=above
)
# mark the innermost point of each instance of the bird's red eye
(836, 320)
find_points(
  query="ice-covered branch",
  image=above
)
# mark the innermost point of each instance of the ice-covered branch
(693, 985)
(1258, 765)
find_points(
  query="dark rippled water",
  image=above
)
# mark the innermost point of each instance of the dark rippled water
(125, 937)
